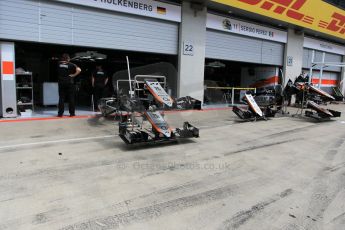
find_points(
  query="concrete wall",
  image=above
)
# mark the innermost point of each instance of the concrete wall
(342, 77)
(294, 49)
(191, 67)
(7, 80)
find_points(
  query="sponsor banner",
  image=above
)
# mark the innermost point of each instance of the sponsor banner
(317, 15)
(323, 46)
(146, 8)
(245, 28)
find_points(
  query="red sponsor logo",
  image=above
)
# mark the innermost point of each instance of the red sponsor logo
(337, 23)
(291, 8)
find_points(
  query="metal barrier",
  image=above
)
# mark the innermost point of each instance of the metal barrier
(228, 93)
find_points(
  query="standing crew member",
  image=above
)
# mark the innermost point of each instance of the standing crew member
(67, 71)
(99, 81)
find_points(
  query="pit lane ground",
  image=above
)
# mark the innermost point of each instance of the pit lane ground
(285, 173)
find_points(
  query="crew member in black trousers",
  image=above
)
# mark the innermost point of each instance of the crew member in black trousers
(67, 71)
(99, 82)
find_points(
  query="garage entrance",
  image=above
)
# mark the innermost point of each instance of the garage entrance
(240, 54)
(222, 76)
(42, 60)
(331, 75)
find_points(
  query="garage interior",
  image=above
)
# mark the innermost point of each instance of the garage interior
(42, 61)
(228, 74)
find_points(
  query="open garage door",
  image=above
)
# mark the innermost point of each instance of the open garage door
(69, 24)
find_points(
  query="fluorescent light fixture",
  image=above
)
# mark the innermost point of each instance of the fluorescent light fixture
(89, 55)
(215, 64)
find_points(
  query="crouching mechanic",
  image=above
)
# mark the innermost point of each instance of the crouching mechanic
(67, 71)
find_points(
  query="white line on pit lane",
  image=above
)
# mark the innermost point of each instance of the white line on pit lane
(54, 142)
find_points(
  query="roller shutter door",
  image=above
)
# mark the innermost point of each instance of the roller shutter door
(331, 75)
(225, 46)
(19, 20)
(60, 23)
(329, 57)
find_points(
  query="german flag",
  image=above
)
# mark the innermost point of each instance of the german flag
(161, 10)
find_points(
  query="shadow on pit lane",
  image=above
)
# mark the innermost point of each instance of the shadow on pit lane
(151, 145)
(302, 118)
(239, 121)
(100, 120)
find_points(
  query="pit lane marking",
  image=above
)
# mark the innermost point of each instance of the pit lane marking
(55, 141)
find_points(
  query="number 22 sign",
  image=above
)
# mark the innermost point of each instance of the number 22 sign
(188, 48)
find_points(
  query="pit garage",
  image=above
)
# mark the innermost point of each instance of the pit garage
(241, 54)
(42, 60)
(316, 52)
(45, 29)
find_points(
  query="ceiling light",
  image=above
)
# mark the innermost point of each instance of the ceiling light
(89, 55)
(215, 64)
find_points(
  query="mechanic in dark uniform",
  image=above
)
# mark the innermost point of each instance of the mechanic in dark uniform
(99, 82)
(67, 71)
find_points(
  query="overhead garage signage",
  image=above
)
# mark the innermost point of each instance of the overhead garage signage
(146, 8)
(245, 28)
(323, 46)
(317, 15)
